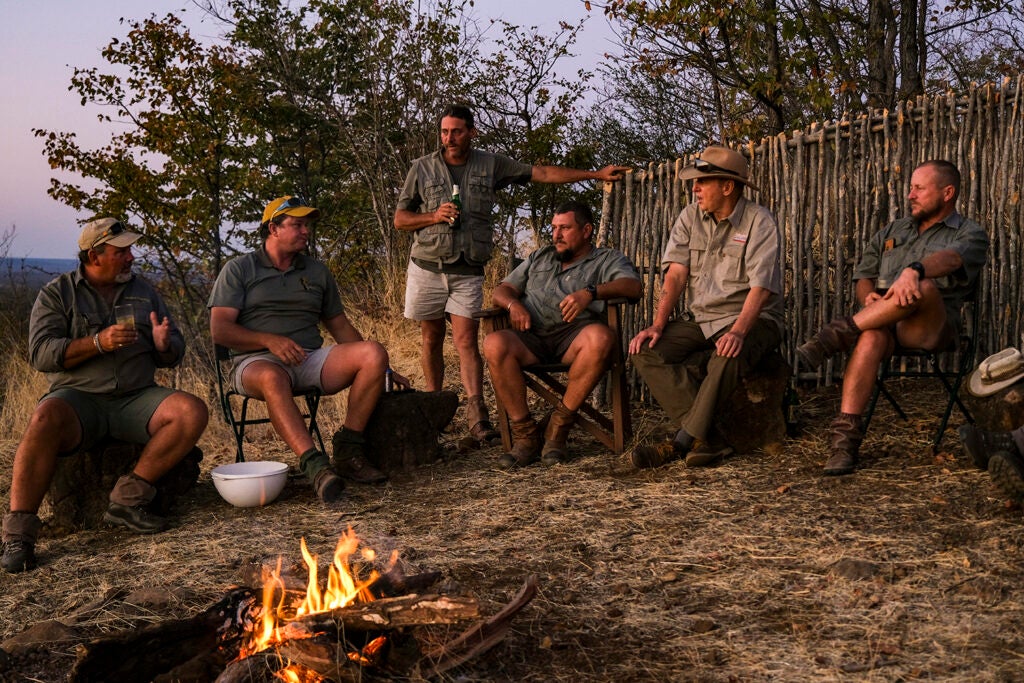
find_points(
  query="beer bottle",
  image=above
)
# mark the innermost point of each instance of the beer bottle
(457, 201)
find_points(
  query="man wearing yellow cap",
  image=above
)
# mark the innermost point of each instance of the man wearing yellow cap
(101, 371)
(724, 252)
(266, 306)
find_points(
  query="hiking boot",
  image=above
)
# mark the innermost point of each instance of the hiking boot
(526, 444)
(135, 518)
(19, 556)
(328, 485)
(657, 454)
(1006, 469)
(847, 433)
(705, 453)
(480, 427)
(560, 422)
(350, 459)
(981, 444)
(835, 337)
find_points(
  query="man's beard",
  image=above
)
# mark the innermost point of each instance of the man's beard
(565, 255)
(122, 278)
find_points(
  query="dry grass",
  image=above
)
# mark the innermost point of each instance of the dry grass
(759, 569)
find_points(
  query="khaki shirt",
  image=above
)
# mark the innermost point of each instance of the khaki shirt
(544, 283)
(726, 259)
(290, 303)
(892, 249)
(68, 308)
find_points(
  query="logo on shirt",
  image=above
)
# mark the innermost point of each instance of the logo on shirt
(739, 239)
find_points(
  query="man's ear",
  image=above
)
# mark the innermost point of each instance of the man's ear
(728, 187)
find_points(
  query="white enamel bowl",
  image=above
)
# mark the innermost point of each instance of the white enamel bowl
(249, 484)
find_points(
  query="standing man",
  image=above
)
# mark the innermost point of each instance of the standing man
(910, 283)
(266, 306)
(555, 300)
(724, 251)
(452, 246)
(101, 385)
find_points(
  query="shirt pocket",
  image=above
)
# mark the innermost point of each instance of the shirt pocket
(698, 249)
(436, 191)
(733, 256)
(86, 324)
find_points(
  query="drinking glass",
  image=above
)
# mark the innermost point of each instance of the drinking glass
(124, 314)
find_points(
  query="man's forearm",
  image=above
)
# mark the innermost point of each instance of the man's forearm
(414, 220)
(751, 311)
(623, 287)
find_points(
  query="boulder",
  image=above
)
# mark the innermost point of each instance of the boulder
(1002, 411)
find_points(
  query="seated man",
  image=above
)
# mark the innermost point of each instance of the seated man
(911, 281)
(101, 385)
(724, 251)
(266, 306)
(554, 304)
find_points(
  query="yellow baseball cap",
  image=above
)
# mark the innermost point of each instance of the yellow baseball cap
(288, 205)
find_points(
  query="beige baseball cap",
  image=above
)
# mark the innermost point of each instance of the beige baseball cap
(106, 231)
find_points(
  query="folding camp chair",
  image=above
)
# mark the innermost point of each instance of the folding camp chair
(613, 431)
(907, 362)
(240, 419)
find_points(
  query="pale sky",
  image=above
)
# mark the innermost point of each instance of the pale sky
(42, 41)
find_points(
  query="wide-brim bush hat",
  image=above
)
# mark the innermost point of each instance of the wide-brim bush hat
(719, 162)
(997, 372)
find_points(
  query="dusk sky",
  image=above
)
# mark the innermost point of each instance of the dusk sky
(42, 42)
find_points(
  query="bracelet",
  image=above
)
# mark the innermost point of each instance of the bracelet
(96, 341)
(509, 307)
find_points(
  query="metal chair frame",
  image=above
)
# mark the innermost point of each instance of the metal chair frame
(229, 398)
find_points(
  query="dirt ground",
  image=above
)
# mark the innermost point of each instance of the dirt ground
(757, 569)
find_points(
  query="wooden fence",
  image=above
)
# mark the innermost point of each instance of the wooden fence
(831, 186)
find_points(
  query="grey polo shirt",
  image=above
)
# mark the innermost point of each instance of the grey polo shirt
(726, 258)
(544, 282)
(897, 245)
(290, 303)
(68, 308)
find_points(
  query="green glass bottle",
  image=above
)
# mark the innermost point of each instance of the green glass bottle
(457, 201)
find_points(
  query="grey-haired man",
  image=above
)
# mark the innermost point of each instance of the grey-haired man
(102, 384)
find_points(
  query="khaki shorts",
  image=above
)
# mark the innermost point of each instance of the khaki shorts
(428, 296)
(305, 376)
(124, 417)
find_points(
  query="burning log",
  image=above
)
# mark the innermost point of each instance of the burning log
(144, 654)
(385, 614)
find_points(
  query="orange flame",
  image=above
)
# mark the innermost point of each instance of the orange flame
(344, 587)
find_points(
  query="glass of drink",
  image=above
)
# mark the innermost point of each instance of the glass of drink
(124, 314)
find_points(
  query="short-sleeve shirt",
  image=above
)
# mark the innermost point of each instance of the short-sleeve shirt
(544, 282)
(69, 308)
(892, 249)
(288, 302)
(726, 259)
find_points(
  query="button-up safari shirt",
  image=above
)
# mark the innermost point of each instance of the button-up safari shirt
(69, 308)
(896, 246)
(544, 283)
(726, 258)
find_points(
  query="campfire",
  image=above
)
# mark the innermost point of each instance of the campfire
(364, 619)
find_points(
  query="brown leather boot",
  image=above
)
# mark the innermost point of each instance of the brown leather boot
(847, 433)
(526, 443)
(559, 424)
(838, 336)
(480, 427)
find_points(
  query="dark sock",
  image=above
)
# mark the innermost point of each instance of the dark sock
(683, 440)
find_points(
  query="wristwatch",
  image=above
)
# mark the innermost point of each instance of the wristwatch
(592, 290)
(917, 267)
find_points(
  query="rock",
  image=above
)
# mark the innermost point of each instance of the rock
(79, 493)
(404, 430)
(855, 569)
